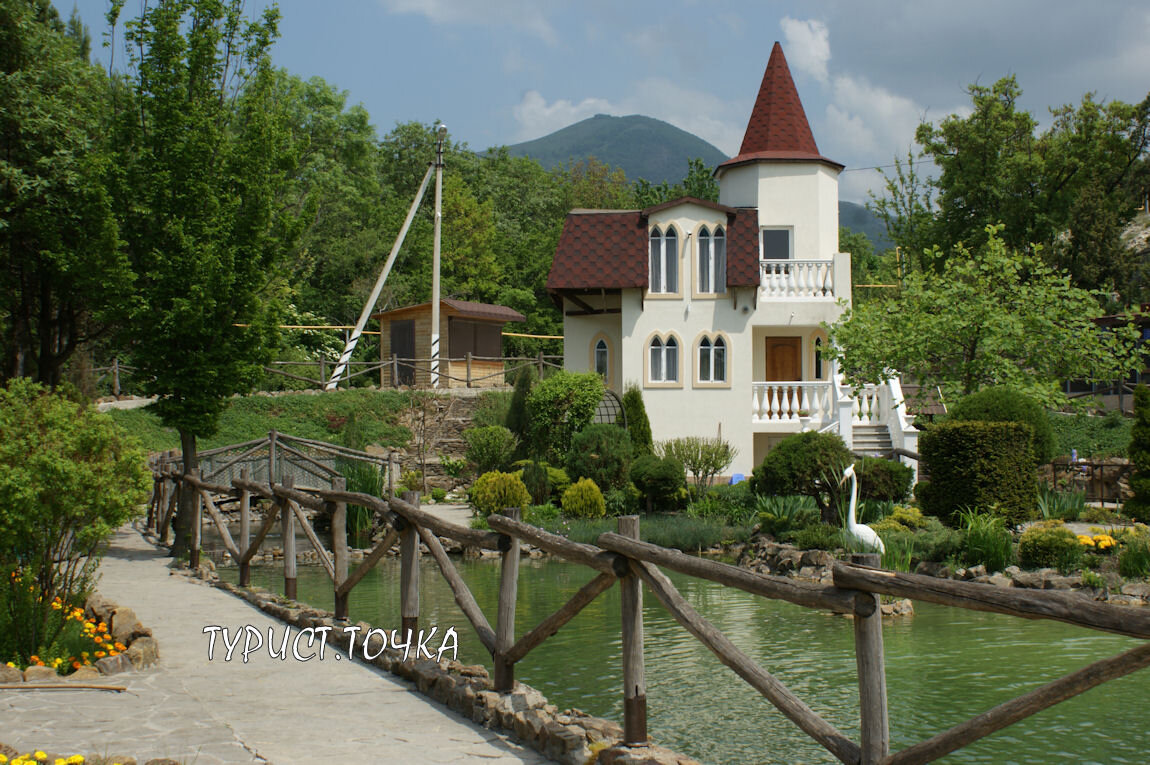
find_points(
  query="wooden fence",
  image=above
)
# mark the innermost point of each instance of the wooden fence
(622, 558)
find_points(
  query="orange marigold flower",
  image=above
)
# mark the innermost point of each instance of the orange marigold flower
(100, 654)
(75, 664)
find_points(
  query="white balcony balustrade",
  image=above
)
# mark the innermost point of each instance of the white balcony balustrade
(797, 278)
(784, 401)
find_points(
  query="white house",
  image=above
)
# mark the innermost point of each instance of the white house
(716, 310)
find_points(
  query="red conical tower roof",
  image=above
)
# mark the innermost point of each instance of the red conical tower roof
(778, 129)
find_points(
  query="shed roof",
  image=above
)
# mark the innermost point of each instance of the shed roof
(461, 308)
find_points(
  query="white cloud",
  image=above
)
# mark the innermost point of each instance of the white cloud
(866, 119)
(522, 14)
(537, 118)
(808, 46)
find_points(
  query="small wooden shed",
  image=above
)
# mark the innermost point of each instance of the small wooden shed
(470, 339)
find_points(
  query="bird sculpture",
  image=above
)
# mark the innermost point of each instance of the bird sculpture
(864, 534)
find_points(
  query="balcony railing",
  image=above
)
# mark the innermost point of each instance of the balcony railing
(783, 401)
(797, 278)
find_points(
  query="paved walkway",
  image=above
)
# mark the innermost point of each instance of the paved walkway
(268, 710)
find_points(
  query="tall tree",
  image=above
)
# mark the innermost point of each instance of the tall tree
(699, 183)
(205, 157)
(62, 278)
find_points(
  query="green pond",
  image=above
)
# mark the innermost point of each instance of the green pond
(943, 666)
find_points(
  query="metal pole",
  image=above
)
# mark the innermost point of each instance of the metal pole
(442, 131)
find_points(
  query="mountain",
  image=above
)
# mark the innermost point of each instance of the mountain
(648, 148)
(642, 146)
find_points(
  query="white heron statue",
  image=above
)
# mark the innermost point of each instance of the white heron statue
(864, 534)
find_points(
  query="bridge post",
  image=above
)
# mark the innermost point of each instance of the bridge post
(245, 531)
(875, 725)
(197, 523)
(287, 521)
(634, 675)
(338, 512)
(409, 573)
(505, 625)
(392, 466)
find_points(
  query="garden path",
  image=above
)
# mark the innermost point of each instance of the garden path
(195, 710)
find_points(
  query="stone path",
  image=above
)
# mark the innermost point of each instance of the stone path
(268, 710)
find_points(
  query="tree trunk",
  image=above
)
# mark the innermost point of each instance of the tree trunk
(186, 512)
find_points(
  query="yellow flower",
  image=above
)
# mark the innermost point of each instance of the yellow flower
(1104, 541)
(4, 757)
(1085, 540)
(75, 759)
(41, 755)
(100, 654)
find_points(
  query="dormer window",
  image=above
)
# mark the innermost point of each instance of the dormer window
(712, 261)
(664, 276)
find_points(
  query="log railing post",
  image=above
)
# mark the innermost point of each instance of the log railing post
(409, 573)
(197, 523)
(338, 512)
(392, 466)
(634, 675)
(245, 531)
(395, 370)
(505, 624)
(271, 458)
(116, 376)
(874, 722)
(287, 522)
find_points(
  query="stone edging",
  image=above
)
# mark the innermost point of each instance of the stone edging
(123, 626)
(570, 736)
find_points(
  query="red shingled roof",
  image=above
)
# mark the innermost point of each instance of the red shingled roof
(778, 129)
(607, 249)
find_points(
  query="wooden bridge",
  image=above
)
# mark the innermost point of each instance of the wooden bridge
(621, 558)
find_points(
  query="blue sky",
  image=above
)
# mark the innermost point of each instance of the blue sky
(504, 71)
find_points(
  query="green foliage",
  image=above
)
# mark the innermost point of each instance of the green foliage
(537, 481)
(885, 480)
(809, 464)
(490, 448)
(779, 514)
(703, 458)
(908, 516)
(659, 480)
(1134, 559)
(700, 183)
(1002, 404)
(1138, 506)
(1049, 544)
(493, 408)
(623, 501)
(438, 493)
(935, 543)
(558, 408)
(518, 420)
(978, 464)
(583, 499)
(986, 541)
(638, 424)
(993, 316)
(494, 491)
(1092, 436)
(822, 536)
(455, 469)
(1060, 505)
(363, 478)
(677, 532)
(411, 480)
(68, 479)
(602, 453)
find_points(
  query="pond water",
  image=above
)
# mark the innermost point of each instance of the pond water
(943, 666)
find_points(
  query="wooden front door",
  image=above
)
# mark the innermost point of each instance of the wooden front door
(784, 359)
(403, 346)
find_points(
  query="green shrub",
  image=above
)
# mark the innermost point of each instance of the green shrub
(518, 420)
(822, 536)
(910, 517)
(638, 425)
(455, 469)
(873, 510)
(704, 458)
(584, 500)
(810, 464)
(1138, 506)
(1092, 436)
(658, 480)
(362, 478)
(558, 408)
(786, 513)
(675, 531)
(490, 448)
(1060, 505)
(1049, 544)
(438, 494)
(1000, 404)
(886, 526)
(556, 477)
(537, 515)
(492, 408)
(883, 479)
(622, 501)
(978, 464)
(986, 541)
(739, 500)
(537, 481)
(602, 453)
(69, 477)
(494, 491)
(411, 480)
(1134, 559)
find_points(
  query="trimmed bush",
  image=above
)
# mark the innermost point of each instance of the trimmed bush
(1138, 506)
(494, 491)
(1049, 544)
(884, 480)
(1001, 404)
(810, 464)
(638, 424)
(658, 481)
(490, 448)
(603, 454)
(537, 481)
(558, 408)
(518, 421)
(978, 464)
(584, 500)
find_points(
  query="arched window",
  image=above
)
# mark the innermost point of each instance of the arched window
(712, 360)
(664, 360)
(601, 359)
(818, 358)
(712, 261)
(664, 276)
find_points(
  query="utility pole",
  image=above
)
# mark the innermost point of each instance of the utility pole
(442, 130)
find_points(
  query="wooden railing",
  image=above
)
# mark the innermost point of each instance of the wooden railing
(621, 557)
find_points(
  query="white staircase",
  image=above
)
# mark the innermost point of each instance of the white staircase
(872, 440)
